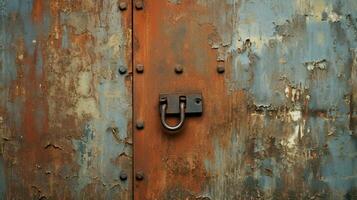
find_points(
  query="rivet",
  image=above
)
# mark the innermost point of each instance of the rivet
(139, 176)
(139, 124)
(122, 70)
(123, 176)
(178, 69)
(123, 5)
(220, 69)
(139, 68)
(139, 4)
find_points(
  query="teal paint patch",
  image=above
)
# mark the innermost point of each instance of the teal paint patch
(242, 74)
(65, 39)
(2, 179)
(39, 61)
(339, 168)
(7, 54)
(23, 27)
(100, 148)
(84, 157)
(16, 25)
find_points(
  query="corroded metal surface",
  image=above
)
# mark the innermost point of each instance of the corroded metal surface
(65, 111)
(279, 123)
(279, 118)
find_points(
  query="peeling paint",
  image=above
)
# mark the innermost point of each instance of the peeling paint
(54, 58)
(282, 114)
(321, 64)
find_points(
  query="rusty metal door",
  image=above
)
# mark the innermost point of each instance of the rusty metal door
(65, 99)
(266, 91)
(277, 80)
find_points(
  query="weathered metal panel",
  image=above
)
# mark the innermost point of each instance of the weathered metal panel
(65, 111)
(280, 123)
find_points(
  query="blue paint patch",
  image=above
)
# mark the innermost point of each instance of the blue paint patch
(65, 41)
(256, 18)
(15, 26)
(110, 152)
(339, 169)
(241, 72)
(99, 149)
(282, 61)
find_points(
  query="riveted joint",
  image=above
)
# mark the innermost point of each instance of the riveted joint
(139, 4)
(220, 68)
(178, 69)
(122, 70)
(123, 5)
(123, 176)
(139, 68)
(139, 176)
(139, 124)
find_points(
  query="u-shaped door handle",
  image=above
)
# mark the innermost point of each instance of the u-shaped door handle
(163, 117)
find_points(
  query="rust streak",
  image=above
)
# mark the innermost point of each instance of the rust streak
(37, 11)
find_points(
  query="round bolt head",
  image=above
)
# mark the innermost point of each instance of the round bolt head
(139, 176)
(178, 69)
(123, 5)
(122, 70)
(139, 68)
(139, 125)
(139, 4)
(220, 69)
(123, 176)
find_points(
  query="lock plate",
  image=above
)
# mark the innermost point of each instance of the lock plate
(193, 102)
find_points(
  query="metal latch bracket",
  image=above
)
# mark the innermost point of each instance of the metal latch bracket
(193, 103)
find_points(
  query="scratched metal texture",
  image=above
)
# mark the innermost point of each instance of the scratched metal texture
(280, 123)
(65, 111)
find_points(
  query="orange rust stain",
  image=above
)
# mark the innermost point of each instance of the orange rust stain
(37, 11)
(82, 40)
(35, 158)
(174, 161)
(34, 101)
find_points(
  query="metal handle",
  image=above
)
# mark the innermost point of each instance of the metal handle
(163, 117)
